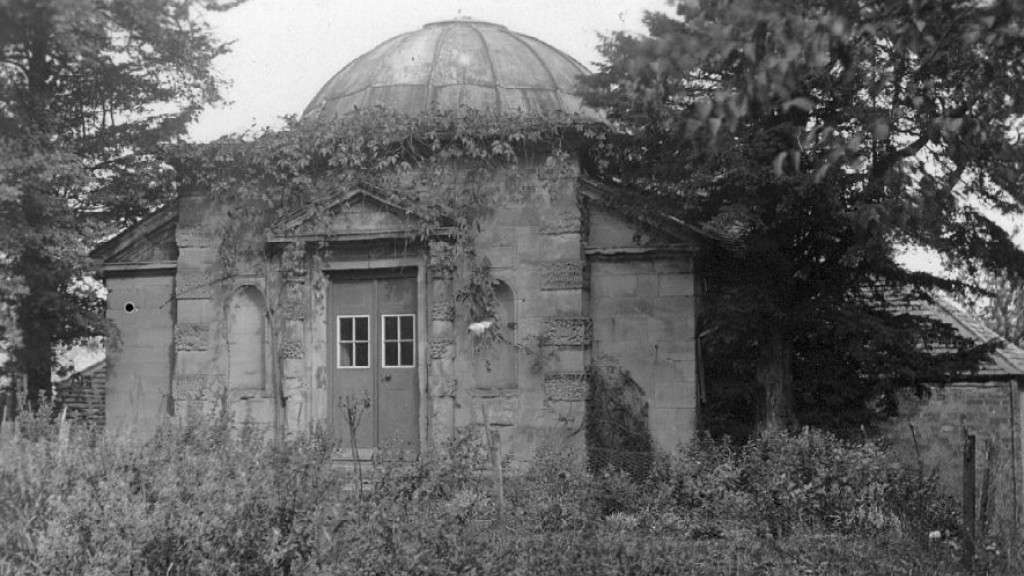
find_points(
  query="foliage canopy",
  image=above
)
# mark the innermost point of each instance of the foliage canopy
(817, 139)
(90, 91)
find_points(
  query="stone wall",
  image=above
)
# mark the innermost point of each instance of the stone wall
(643, 313)
(530, 385)
(644, 303)
(141, 305)
(533, 243)
(204, 287)
(929, 433)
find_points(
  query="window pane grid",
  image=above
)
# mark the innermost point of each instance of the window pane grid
(398, 338)
(353, 341)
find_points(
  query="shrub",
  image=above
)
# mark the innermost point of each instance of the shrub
(207, 497)
(809, 479)
(199, 498)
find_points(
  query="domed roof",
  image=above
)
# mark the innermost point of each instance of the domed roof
(456, 63)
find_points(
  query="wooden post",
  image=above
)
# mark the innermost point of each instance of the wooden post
(63, 431)
(6, 426)
(499, 474)
(494, 451)
(969, 515)
(917, 449)
(991, 460)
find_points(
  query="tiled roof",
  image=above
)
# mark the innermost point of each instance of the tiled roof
(1006, 361)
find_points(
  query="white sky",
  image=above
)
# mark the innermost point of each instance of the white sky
(285, 50)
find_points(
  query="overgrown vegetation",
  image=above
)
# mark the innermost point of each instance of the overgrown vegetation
(817, 138)
(206, 497)
(447, 169)
(90, 93)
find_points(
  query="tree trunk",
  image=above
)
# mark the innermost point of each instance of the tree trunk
(36, 354)
(775, 377)
(38, 312)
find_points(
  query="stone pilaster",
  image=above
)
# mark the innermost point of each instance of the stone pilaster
(198, 382)
(443, 387)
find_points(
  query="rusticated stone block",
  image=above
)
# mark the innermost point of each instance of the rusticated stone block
(194, 237)
(566, 386)
(441, 258)
(292, 349)
(198, 382)
(446, 388)
(564, 275)
(443, 310)
(294, 265)
(293, 300)
(439, 347)
(189, 336)
(563, 221)
(191, 395)
(194, 284)
(567, 331)
(500, 411)
(292, 368)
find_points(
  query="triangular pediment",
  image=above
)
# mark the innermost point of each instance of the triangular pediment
(615, 223)
(607, 229)
(150, 240)
(356, 214)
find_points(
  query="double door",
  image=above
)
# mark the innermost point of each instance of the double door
(373, 361)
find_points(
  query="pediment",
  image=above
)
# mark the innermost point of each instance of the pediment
(357, 214)
(615, 224)
(154, 247)
(150, 240)
(610, 230)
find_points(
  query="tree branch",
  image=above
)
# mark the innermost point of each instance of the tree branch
(887, 161)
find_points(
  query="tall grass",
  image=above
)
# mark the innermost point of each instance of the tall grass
(207, 497)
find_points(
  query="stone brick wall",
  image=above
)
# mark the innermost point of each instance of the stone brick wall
(643, 313)
(929, 433)
(204, 286)
(141, 305)
(535, 240)
(534, 245)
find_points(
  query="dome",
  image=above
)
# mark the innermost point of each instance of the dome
(456, 63)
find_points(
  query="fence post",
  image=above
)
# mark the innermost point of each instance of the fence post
(985, 514)
(63, 431)
(969, 515)
(9, 423)
(494, 451)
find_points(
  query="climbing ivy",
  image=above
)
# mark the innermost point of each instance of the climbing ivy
(449, 169)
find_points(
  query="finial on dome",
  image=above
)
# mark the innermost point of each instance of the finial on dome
(461, 19)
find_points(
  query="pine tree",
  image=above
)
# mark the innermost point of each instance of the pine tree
(90, 91)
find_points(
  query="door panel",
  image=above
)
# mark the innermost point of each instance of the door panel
(387, 341)
(349, 325)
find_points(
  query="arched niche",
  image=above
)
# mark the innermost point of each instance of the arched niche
(247, 337)
(496, 368)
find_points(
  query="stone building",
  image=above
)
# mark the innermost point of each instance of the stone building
(342, 303)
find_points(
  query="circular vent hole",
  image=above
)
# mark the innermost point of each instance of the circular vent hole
(129, 307)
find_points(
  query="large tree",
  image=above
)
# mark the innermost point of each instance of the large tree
(815, 139)
(90, 90)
